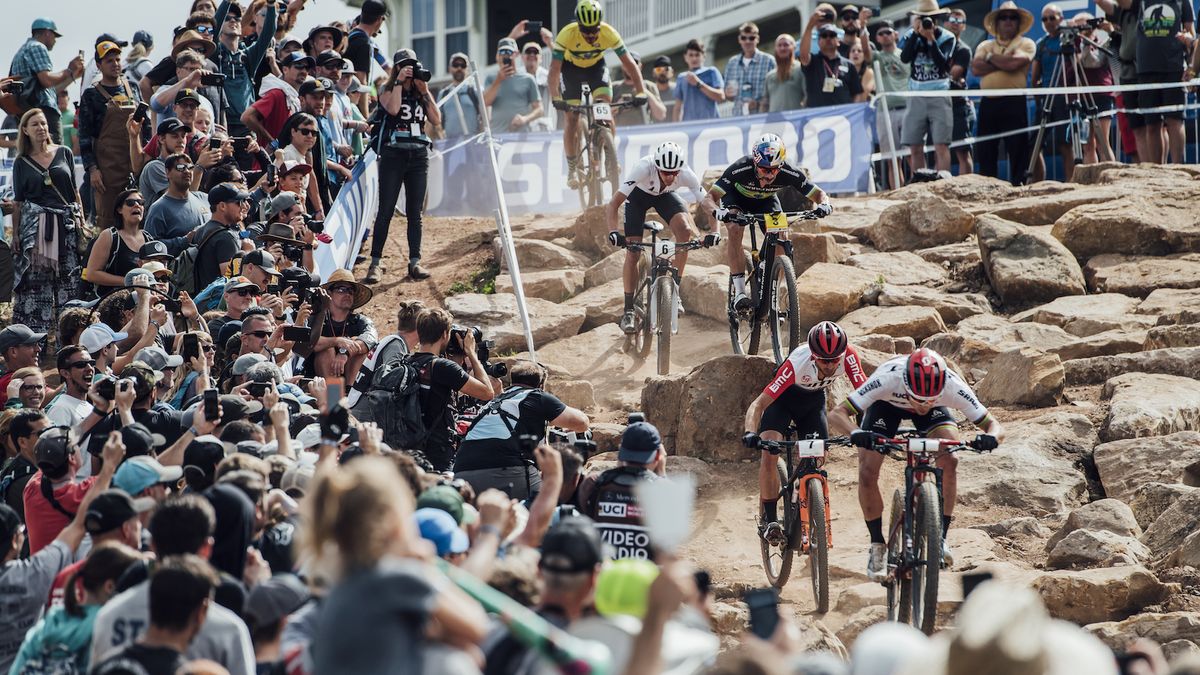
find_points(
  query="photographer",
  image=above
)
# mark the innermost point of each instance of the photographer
(143, 383)
(387, 350)
(496, 451)
(930, 50)
(288, 233)
(405, 106)
(345, 337)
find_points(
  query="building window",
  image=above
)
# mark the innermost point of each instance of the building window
(439, 30)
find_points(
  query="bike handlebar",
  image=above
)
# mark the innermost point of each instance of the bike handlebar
(751, 218)
(686, 245)
(615, 105)
(899, 447)
(775, 446)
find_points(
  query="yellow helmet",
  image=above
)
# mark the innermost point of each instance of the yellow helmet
(589, 13)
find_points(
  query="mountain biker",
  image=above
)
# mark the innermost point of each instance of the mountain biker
(797, 394)
(919, 387)
(578, 58)
(651, 184)
(751, 185)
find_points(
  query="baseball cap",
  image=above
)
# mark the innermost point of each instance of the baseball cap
(43, 23)
(263, 259)
(299, 474)
(439, 527)
(245, 362)
(157, 358)
(506, 43)
(275, 598)
(105, 48)
(309, 436)
(154, 250)
(157, 270)
(143, 376)
(623, 586)
(187, 94)
(403, 55)
(290, 39)
(292, 166)
(226, 192)
(328, 58)
(143, 471)
(316, 85)
(201, 457)
(140, 441)
(98, 336)
(112, 509)
(18, 334)
(295, 59)
(142, 37)
(227, 331)
(572, 545)
(373, 9)
(663, 60)
(824, 31)
(885, 23)
(235, 408)
(355, 86)
(445, 498)
(237, 284)
(848, 9)
(281, 202)
(639, 443)
(53, 449)
(135, 273)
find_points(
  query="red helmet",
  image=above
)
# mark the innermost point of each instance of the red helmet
(827, 340)
(925, 374)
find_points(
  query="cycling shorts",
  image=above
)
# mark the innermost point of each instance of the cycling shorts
(804, 407)
(668, 204)
(737, 200)
(573, 76)
(884, 418)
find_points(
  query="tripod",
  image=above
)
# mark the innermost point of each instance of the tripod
(1082, 109)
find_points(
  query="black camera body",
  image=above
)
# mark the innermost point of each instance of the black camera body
(212, 80)
(422, 73)
(315, 226)
(300, 281)
(483, 349)
(926, 23)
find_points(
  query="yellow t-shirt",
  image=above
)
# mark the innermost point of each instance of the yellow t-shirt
(571, 47)
(1003, 79)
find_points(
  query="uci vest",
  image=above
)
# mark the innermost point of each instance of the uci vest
(618, 516)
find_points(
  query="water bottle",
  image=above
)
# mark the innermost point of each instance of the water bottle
(1085, 131)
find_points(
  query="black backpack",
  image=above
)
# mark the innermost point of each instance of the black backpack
(183, 267)
(395, 401)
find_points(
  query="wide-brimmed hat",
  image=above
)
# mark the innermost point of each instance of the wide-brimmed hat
(362, 294)
(281, 233)
(929, 8)
(989, 21)
(190, 39)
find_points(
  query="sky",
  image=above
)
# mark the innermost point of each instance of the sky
(80, 21)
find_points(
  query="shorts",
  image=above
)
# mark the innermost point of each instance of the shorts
(739, 201)
(884, 418)
(964, 119)
(896, 117)
(1104, 102)
(595, 76)
(667, 204)
(804, 407)
(1055, 136)
(518, 482)
(934, 116)
(1153, 98)
(1131, 99)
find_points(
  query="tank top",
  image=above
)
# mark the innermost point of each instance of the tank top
(406, 127)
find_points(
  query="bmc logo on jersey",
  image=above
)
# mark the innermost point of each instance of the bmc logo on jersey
(783, 378)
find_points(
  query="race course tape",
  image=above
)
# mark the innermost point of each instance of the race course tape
(1038, 91)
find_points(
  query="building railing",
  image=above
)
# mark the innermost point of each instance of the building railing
(640, 19)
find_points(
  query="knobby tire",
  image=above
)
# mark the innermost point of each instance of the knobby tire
(664, 298)
(784, 311)
(899, 588)
(818, 545)
(927, 545)
(777, 560)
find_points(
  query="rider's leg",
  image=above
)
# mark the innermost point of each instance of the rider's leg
(768, 479)
(948, 463)
(870, 499)
(735, 257)
(571, 137)
(630, 272)
(682, 228)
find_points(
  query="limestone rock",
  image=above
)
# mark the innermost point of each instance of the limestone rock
(1182, 361)
(606, 435)
(1105, 515)
(1188, 553)
(608, 269)
(915, 322)
(1152, 225)
(705, 291)
(858, 596)
(809, 249)
(969, 356)
(1150, 405)
(534, 255)
(1170, 303)
(1151, 500)
(1002, 333)
(1045, 209)
(920, 223)
(1166, 337)
(1140, 275)
(600, 304)
(1101, 344)
(1125, 465)
(953, 307)
(555, 286)
(902, 268)
(591, 233)
(575, 393)
(497, 315)
(878, 342)
(730, 618)
(1162, 628)
(965, 254)
(1176, 523)
(1106, 594)
(585, 354)
(826, 291)
(1085, 315)
(1023, 376)
(1023, 526)
(969, 189)
(860, 621)
(1024, 265)
(543, 227)
(852, 219)
(1095, 548)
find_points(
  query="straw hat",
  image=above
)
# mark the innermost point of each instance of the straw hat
(989, 21)
(362, 294)
(929, 8)
(190, 39)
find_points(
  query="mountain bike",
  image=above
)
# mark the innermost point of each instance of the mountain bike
(599, 147)
(656, 301)
(807, 521)
(771, 282)
(914, 540)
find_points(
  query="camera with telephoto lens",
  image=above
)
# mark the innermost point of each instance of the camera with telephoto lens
(315, 226)
(421, 72)
(300, 281)
(483, 349)
(926, 23)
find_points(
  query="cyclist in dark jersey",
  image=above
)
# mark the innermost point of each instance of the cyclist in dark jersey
(751, 185)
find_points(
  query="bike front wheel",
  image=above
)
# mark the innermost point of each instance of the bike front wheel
(777, 558)
(927, 549)
(784, 315)
(664, 303)
(899, 585)
(818, 545)
(607, 155)
(642, 339)
(744, 327)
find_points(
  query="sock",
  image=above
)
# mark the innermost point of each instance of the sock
(413, 261)
(739, 283)
(875, 528)
(375, 260)
(768, 510)
(571, 161)
(629, 302)
(946, 525)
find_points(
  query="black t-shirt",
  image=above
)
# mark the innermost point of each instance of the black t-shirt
(962, 57)
(162, 72)
(740, 178)
(359, 51)
(219, 249)
(354, 326)
(1158, 47)
(29, 179)
(13, 477)
(169, 423)
(445, 377)
(534, 411)
(276, 545)
(841, 71)
(138, 659)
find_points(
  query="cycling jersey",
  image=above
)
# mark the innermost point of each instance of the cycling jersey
(740, 177)
(644, 177)
(570, 46)
(887, 385)
(799, 369)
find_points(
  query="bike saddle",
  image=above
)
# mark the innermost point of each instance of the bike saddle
(652, 226)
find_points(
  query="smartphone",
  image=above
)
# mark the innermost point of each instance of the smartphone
(124, 385)
(270, 173)
(214, 143)
(257, 389)
(211, 406)
(212, 80)
(11, 87)
(334, 386)
(139, 113)
(304, 383)
(190, 347)
(534, 27)
(297, 334)
(764, 611)
(507, 61)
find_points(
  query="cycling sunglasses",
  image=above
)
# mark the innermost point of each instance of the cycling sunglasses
(81, 364)
(590, 31)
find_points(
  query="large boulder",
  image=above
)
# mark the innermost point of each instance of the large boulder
(826, 291)
(901, 268)
(1044, 209)
(1151, 500)
(1166, 337)
(1103, 515)
(1024, 376)
(1182, 361)
(1085, 315)
(1171, 303)
(1151, 225)
(1128, 464)
(1002, 333)
(591, 233)
(1025, 265)
(1188, 553)
(1174, 525)
(600, 304)
(575, 393)
(920, 223)
(965, 254)
(534, 255)
(608, 269)
(705, 291)
(953, 307)
(555, 286)
(583, 355)
(971, 357)
(497, 315)
(1162, 628)
(1140, 275)
(1095, 548)
(1145, 404)
(1106, 594)
(915, 322)
(810, 249)
(700, 413)
(1101, 344)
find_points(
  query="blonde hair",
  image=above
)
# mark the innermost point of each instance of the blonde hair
(24, 141)
(137, 51)
(356, 514)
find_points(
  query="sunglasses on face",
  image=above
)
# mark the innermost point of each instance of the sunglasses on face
(1051, 19)
(307, 131)
(204, 30)
(747, 38)
(1008, 17)
(956, 21)
(261, 334)
(236, 201)
(828, 36)
(532, 52)
(590, 31)
(836, 359)
(81, 364)
(458, 65)
(184, 168)
(209, 349)
(342, 289)
(773, 169)
(886, 31)
(134, 202)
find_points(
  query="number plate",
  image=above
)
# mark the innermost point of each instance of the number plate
(923, 445)
(602, 112)
(664, 248)
(775, 222)
(812, 448)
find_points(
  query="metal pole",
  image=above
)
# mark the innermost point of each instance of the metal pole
(510, 253)
(887, 123)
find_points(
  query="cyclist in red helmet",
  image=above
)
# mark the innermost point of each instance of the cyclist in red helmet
(797, 394)
(919, 387)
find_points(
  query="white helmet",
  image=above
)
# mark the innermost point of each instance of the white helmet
(768, 137)
(668, 156)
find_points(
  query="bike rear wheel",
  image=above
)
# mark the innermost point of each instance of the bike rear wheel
(784, 314)
(664, 301)
(927, 549)
(818, 545)
(899, 586)
(777, 558)
(744, 329)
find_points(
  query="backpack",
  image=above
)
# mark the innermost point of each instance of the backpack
(498, 419)
(183, 268)
(86, 288)
(395, 402)
(54, 658)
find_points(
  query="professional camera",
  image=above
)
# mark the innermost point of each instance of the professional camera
(926, 23)
(212, 80)
(483, 349)
(421, 72)
(300, 281)
(314, 225)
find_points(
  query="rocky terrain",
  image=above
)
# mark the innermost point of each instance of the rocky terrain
(1073, 310)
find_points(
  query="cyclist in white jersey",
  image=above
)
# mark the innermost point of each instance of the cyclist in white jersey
(652, 184)
(919, 387)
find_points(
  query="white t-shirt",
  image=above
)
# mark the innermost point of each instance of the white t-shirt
(69, 411)
(887, 384)
(644, 177)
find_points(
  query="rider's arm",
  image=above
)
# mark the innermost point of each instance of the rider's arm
(842, 420)
(613, 208)
(990, 425)
(755, 412)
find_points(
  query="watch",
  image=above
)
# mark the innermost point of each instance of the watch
(343, 351)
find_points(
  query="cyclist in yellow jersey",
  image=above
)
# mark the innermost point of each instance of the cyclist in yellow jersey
(578, 59)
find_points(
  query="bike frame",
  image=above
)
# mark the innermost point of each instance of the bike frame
(917, 469)
(767, 255)
(658, 266)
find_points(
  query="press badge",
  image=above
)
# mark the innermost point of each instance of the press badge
(830, 85)
(414, 129)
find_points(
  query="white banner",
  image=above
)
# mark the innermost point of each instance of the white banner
(350, 218)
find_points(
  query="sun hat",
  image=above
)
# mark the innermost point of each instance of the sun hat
(989, 21)
(362, 293)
